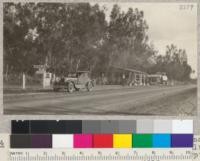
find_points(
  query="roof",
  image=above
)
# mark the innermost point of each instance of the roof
(154, 75)
(129, 69)
(83, 71)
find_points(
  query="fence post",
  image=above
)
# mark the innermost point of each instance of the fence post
(23, 81)
(44, 81)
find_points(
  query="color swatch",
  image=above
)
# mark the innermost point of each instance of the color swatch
(41, 141)
(142, 141)
(144, 126)
(102, 140)
(181, 140)
(20, 141)
(55, 127)
(63, 141)
(162, 126)
(83, 141)
(161, 140)
(182, 126)
(122, 141)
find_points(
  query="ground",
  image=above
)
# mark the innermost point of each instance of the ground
(107, 100)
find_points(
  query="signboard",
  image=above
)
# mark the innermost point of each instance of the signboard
(39, 66)
(41, 69)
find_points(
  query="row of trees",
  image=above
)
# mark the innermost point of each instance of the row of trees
(174, 63)
(77, 36)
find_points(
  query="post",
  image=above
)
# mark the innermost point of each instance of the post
(23, 81)
(140, 78)
(54, 77)
(136, 81)
(144, 81)
(44, 80)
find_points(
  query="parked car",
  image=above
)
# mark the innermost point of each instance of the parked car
(159, 78)
(74, 81)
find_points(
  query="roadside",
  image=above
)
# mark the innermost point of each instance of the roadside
(182, 104)
(20, 95)
(9, 90)
(16, 89)
(148, 100)
(38, 89)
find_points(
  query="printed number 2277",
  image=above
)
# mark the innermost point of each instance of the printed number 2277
(186, 7)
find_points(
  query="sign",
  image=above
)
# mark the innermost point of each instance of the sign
(41, 69)
(39, 66)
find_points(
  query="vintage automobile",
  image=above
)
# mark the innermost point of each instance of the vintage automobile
(160, 78)
(74, 81)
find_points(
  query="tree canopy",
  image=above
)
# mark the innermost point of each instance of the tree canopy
(76, 36)
(174, 63)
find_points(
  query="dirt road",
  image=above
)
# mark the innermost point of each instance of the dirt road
(149, 100)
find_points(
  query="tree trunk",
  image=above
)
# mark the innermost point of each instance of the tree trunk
(6, 74)
(77, 64)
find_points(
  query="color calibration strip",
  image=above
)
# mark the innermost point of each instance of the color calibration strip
(102, 141)
(102, 134)
(102, 127)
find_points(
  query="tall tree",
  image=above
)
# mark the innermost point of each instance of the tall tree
(65, 37)
(128, 39)
(174, 63)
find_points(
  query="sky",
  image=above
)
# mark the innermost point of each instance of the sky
(168, 23)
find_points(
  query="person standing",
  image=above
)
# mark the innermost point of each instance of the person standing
(123, 79)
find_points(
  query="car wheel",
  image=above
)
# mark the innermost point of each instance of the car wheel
(70, 87)
(89, 86)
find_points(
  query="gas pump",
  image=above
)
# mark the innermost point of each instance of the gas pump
(46, 76)
(47, 79)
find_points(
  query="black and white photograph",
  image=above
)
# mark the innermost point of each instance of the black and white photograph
(100, 58)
